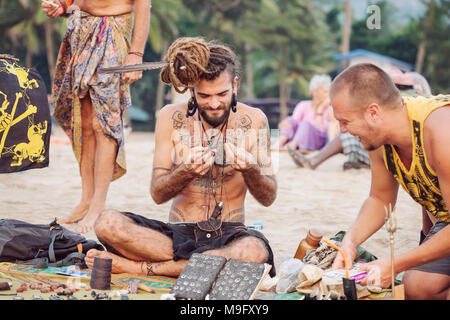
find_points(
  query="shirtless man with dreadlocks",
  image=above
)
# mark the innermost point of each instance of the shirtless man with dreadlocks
(208, 153)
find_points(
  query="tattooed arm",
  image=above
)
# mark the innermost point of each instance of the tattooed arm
(169, 178)
(255, 165)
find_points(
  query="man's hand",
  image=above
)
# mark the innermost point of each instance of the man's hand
(52, 8)
(130, 77)
(199, 160)
(378, 273)
(239, 159)
(349, 250)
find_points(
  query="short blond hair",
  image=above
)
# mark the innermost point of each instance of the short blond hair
(367, 83)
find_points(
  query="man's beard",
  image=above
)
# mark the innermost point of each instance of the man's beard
(214, 122)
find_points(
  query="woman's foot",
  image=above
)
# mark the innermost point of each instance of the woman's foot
(76, 215)
(87, 223)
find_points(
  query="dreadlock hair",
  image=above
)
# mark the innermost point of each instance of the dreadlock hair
(191, 59)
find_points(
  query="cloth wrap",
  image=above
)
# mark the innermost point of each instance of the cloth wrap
(93, 42)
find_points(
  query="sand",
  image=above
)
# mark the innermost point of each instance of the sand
(328, 197)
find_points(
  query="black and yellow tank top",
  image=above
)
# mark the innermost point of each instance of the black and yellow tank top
(420, 181)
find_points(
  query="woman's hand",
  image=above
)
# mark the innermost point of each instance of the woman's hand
(52, 8)
(130, 77)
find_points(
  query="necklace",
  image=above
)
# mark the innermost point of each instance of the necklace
(212, 221)
(210, 141)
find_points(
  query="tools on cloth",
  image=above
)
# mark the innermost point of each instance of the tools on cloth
(26, 284)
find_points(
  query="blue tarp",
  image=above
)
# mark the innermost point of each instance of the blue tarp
(361, 52)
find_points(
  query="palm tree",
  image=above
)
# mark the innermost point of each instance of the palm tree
(163, 28)
(287, 31)
(346, 29)
(13, 13)
(421, 51)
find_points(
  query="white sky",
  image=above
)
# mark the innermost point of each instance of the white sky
(406, 8)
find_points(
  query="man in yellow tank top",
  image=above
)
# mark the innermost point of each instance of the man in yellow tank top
(408, 141)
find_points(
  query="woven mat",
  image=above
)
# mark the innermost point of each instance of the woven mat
(19, 274)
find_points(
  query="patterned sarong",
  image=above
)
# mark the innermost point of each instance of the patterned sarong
(90, 43)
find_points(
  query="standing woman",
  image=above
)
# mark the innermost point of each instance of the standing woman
(89, 106)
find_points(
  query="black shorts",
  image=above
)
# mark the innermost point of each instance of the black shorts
(441, 266)
(187, 238)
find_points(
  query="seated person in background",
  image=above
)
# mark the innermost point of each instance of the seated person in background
(357, 156)
(308, 127)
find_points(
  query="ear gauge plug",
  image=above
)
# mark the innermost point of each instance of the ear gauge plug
(192, 107)
(233, 102)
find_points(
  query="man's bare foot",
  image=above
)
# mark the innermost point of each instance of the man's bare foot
(119, 264)
(76, 215)
(87, 223)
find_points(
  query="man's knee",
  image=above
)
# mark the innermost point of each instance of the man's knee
(108, 223)
(96, 125)
(421, 285)
(251, 249)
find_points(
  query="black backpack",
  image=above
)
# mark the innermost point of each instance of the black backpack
(42, 245)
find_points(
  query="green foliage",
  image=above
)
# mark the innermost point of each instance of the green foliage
(283, 42)
(402, 42)
(13, 12)
(437, 65)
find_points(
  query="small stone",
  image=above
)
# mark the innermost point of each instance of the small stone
(45, 290)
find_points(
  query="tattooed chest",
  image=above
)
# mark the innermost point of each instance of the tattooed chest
(215, 180)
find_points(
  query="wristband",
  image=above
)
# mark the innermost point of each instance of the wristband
(63, 6)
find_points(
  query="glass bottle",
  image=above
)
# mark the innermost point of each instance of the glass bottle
(311, 242)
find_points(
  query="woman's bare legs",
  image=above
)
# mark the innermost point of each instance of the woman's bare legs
(87, 162)
(98, 154)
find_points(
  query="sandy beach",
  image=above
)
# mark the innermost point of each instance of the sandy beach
(328, 198)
